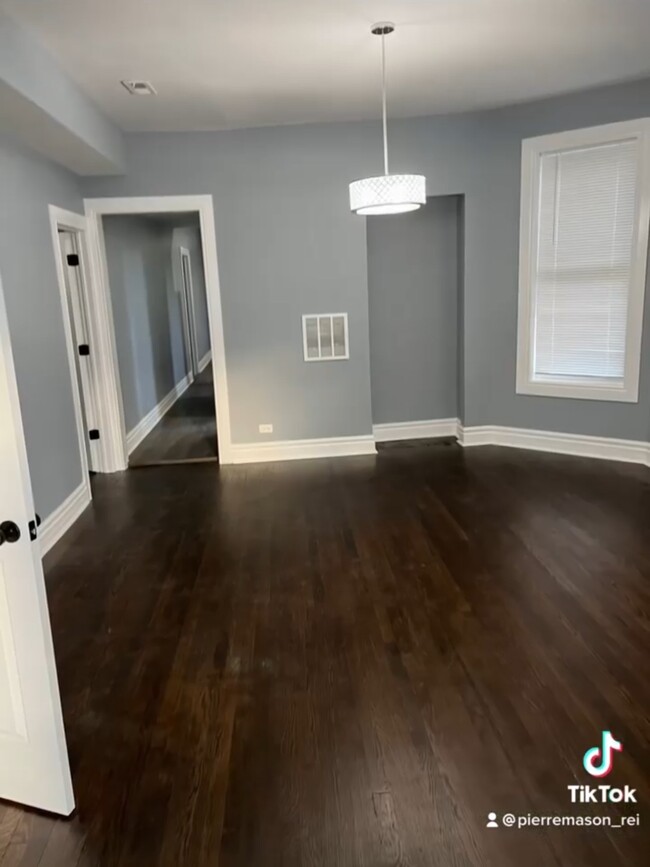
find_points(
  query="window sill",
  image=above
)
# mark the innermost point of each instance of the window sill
(578, 391)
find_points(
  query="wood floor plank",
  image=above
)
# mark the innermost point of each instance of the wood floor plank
(28, 841)
(9, 819)
(349, 663)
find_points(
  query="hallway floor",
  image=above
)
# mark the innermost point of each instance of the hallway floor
(188, 432)
(349, 662)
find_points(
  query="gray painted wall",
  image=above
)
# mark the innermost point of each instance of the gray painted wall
(288, 245)
(413, 313)
(45, 107)
(190, 238)
(492, 277)
(29, 184)
(146, 311)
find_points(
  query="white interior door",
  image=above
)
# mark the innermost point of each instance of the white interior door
(72, 267)
(34, 767)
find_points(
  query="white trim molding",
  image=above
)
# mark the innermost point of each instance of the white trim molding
(151, 419)
(604, 448)
(114, 440)
(203, 362)
(62, 518)
(415, 430)
(296, 450)
(585, 388)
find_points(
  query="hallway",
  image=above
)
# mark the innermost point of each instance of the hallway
(188, 432)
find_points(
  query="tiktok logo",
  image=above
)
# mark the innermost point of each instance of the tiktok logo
(598, 761)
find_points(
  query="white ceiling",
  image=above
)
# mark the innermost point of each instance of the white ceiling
(238, 63)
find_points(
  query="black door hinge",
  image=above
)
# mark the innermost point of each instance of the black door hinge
(93, 434)
(33, 528)
(84, 349)
(73, 259)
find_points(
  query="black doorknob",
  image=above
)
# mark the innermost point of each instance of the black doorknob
(9, 532)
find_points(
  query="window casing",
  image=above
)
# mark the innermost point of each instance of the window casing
(585, 209)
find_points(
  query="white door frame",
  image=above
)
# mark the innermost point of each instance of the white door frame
(111, 409)
(68, 220)
(188, 306)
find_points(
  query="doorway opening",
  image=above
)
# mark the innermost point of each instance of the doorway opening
(157, 288)
(157, 311)
(422, 253)
(69, 243)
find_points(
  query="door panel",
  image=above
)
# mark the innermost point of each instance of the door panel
(12, 710)
(34, 766)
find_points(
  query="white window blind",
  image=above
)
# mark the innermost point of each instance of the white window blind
(582, 275)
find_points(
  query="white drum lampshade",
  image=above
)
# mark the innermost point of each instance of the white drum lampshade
(388, 194)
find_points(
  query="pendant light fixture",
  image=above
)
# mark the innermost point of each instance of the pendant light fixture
(387, 194)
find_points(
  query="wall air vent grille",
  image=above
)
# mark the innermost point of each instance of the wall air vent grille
(325, 337)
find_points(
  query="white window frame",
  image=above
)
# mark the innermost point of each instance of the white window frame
(532, 151)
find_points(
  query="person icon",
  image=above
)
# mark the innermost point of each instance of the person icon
(492, 821)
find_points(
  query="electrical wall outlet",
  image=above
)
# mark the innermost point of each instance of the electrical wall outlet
(266, 428)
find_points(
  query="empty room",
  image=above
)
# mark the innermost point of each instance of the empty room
(324, 433)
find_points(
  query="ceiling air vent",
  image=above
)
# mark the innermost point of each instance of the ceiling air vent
(139, 88)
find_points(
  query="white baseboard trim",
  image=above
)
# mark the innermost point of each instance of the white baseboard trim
(295, 450)
(151, 419)
(415, 430)
(62, 518)
(605, 448)
(207, 358)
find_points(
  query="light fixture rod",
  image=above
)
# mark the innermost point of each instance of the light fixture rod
(383, 29)
(383, 99)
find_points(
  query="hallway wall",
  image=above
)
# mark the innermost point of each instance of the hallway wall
(146, 311)
(29, 184)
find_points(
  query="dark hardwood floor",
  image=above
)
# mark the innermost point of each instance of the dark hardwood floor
(188, 432)
(350, 662)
